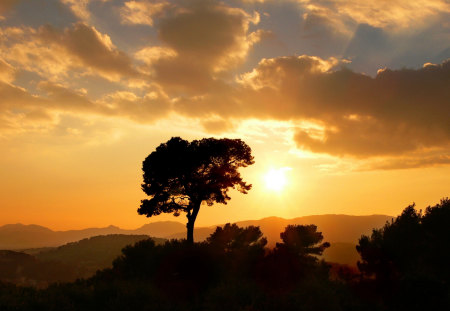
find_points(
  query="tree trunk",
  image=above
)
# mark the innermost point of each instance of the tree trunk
(191, 221)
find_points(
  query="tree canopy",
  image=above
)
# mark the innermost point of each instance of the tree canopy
(303, 240)
(179, 175)
(231, 237)
(409, 257)
(412, 244)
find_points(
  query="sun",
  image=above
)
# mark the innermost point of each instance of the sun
(276, 179)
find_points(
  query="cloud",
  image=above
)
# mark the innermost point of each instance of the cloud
(205, 39)
(396, 112)
(56, 54)
(152, 54)
(385, 14)
(62, 98)
(153, 105)
(392, 14)
(7, 72)
(145, 109)
(13, 96)
(22, 47)
(142, 12)
(19, 108)
(217, 125)
(91, 48)
(79, 8)
(190, 61)
(420, 160)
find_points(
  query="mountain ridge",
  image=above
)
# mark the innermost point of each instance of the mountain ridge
(335, 228)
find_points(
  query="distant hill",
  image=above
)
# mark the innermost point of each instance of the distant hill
(335, 228)
(342, 253)
(24, 269)
(65, 263)
(342, 231)
(18, 236)
(85, 251)
(94, 252)
(159, 229)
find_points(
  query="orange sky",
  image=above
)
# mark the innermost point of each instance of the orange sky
(349, 99)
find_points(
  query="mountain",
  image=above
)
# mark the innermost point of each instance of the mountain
(335, 228)
(92, 254)
(342, 231)
(159, 229)
(24, 269)
(19, 236)
(39, 267)
(342, 253)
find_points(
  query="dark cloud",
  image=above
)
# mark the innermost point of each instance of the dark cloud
(396, 112)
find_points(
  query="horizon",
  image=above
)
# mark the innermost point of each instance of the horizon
(183, 223)
(344, 106)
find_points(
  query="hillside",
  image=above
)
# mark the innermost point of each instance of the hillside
(91, 254)
(335, 228)
(24, 269)
(65, 263)
(342, 231)
(19, 236)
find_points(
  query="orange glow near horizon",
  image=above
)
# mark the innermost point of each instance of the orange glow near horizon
(340, 112)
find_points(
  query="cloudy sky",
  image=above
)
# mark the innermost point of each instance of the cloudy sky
(349, 100)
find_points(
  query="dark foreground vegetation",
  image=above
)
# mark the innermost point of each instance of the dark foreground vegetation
(403, 266)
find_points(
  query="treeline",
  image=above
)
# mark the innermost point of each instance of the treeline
(403, 266)
(40, 267)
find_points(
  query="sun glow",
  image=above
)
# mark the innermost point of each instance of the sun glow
(276, 179)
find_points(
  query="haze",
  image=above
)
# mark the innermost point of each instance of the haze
(351, 102)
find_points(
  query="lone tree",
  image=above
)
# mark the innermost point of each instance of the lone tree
(179, 175)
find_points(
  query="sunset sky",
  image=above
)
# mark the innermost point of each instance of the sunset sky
(347, 103)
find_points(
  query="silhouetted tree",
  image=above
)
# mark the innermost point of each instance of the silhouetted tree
(303, 240)
(409, 258)
(239, 249)
(180, 175)
(232, 237)
(401, 239)
(295, 259)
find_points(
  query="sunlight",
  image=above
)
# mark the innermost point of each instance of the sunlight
(276, 179)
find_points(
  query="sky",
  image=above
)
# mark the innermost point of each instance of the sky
(348, 102)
